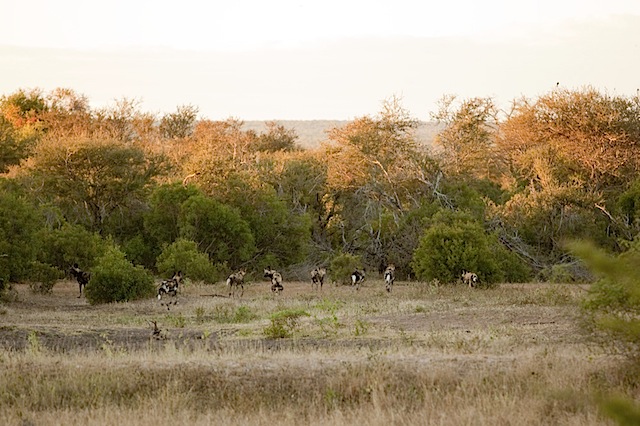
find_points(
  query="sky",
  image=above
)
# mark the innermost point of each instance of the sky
(305, 60)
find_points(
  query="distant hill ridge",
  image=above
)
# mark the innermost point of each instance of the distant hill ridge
(312, 132)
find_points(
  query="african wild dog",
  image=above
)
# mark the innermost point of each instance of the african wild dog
(357, 278)
(469, 278)
(317, 277)
(236, 280)
(389, 277)
(81, 276)
(157, 333)
(170, 287)
(276, 280)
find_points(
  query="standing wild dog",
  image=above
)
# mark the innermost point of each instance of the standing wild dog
(81, 276)
(170, 287)
(389, 277)
(469, 278)
(276, 280)
(357, 278)
(236, 280)
(317, 277)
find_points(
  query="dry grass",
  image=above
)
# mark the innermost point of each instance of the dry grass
(513, 355)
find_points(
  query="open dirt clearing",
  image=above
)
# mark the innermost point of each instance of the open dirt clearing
(533, 314)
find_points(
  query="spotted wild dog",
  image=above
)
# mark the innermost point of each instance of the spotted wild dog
(236, 280)
(81, 276)
(170, 287)
(469, 278)
(317, 277)
(157, 333)
(276, 280)
(389, 277)
(357, 278)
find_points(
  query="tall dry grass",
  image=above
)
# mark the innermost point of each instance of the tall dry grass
(424, 355)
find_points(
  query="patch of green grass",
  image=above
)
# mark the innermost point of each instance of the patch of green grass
(178, 321)
(328, 325)
(284, 323)
(329, 305)
(361, 328)
(229, 314)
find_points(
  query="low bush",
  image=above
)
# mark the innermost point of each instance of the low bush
(43, 277)
(455, 241)
(343, 265)
(284, 323)
(183, 255)
(115, 279)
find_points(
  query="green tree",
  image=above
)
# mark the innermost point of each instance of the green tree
(468, 138)
(165, 205)
(376, 172)
(69, 244)
(14, 145)
(455, 241)
(23, 107)
(276, 138)
(179, 124)
(20, 222)
(91, 180)
(281, 235)
(218, 229)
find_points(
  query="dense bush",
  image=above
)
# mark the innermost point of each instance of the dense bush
(19, 224)
(613, 304)
(183, 255)
(43, 277)
(284, 323)
(454, 242)
(282, 236)
(69, 244)
(218, 229)
(342, 265)
(140, 251)
(612, 312)
(115, 279)
(165, 205)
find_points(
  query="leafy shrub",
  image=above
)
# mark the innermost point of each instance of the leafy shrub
(226, 314)
(183, 255)
(342, 265)
(42, 277)
(454, 242)
(19, 223)
(218, 228)
(140, 251)
(161, 221)
(574, 272)
(115, 279)
(244, 314)
(284, 323)
(624, 411)
(613, 304)
(281, 235)
(69, 244)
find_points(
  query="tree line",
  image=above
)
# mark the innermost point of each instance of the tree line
(500, 194)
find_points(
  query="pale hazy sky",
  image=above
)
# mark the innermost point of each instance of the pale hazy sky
(335, 59)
